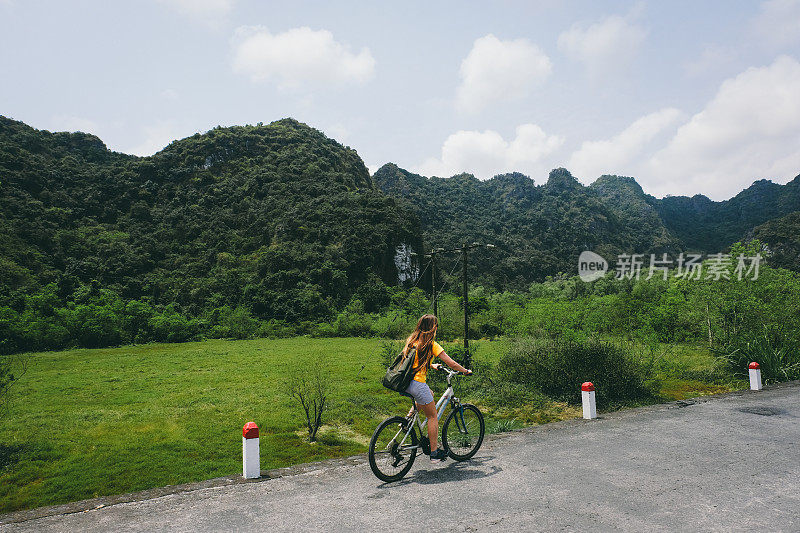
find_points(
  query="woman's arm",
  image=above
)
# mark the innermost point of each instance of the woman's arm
(452, 364)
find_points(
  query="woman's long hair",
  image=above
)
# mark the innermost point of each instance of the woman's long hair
(422, 338)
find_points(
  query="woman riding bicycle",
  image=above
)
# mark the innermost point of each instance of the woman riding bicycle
(427, 349)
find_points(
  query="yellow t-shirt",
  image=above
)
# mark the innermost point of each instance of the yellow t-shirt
(422, 375)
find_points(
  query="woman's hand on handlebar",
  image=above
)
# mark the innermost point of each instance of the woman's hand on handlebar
(436, 366)
(467, 372)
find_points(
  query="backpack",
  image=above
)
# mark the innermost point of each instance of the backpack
(398, 376)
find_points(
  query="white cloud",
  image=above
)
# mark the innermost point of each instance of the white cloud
(749, 130)
(210, 12)
(779, 22)
(486, 153)
(496, 70)
(713, 59)
(606, 45)
(298, 58)
(618, 154)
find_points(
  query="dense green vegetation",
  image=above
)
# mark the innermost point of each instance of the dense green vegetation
(555, 367)
(783, 238)
(537, 230)
(216, 231)
(540, 230)
(277, 230)
(737, 320)
(702, 224)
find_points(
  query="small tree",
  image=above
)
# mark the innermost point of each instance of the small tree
(310, 388)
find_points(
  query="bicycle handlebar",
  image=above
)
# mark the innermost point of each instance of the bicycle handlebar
(456, 372)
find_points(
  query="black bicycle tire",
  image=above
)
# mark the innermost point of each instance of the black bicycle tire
(450, 418)
(373, 464)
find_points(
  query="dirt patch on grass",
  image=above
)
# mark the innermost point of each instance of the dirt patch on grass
(691, 389)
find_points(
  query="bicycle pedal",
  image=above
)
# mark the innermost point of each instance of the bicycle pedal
(425, 444)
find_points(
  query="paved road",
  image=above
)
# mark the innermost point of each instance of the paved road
(728, 463)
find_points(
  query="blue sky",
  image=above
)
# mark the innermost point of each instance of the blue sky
(688, 97)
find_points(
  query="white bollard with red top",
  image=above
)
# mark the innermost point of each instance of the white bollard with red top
(251, 459)
(755, 376)
(589, 405)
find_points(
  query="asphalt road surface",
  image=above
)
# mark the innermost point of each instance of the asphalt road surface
(726, 463)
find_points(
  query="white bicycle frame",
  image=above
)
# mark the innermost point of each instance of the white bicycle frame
(441, 405)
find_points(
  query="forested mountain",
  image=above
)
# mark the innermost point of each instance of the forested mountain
(702, 224)
(278, 218)
(537, 230)
(782, 237)
(253, 225)
(540, 230)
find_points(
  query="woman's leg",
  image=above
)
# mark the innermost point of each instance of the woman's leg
(429, 410)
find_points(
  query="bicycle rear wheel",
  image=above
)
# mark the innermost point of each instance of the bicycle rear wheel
(389, 457)
(462, 433)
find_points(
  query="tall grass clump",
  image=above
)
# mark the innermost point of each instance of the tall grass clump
(557, 367)
(774, 349)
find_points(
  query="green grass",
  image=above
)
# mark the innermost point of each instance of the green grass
(87, 423)
(691, 370)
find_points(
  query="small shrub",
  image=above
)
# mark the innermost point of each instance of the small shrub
(171, 326)
(324, 329)
(234, 323)
(93, 326)
(393, 326)
(352, 324)
(558, 367)
(310, 389)
(276, 329)
(240, 324)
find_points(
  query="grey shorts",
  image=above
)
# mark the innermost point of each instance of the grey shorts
(420, 391)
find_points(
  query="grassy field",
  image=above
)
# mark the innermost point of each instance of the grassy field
(86, 423)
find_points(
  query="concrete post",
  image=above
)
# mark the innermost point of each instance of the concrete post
(589, 405)
(251, 459)
(755, 376)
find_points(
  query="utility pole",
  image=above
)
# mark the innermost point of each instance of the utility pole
(463, 250)
(466, 247)
(433, 282)
(467, 356)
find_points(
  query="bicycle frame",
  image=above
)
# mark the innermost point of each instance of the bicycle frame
(445, 399)
(441, 405)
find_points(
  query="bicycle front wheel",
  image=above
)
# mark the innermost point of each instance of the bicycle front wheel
(463, 432)
(391, 452)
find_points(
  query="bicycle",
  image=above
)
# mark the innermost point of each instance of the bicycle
(397, 439)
